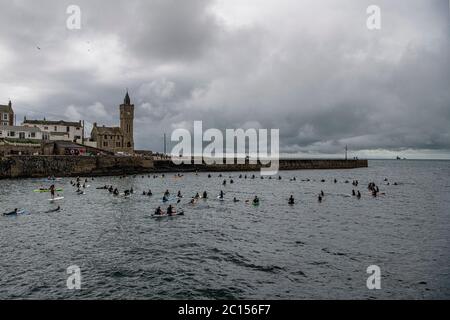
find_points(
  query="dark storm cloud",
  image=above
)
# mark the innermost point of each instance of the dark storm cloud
(309, 68)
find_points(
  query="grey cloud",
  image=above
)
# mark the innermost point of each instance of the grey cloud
(309, 68)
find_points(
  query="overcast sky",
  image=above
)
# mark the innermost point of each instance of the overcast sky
(308, 67)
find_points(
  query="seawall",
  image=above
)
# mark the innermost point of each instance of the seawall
(67, 166)
(284, 164)
(71, 166)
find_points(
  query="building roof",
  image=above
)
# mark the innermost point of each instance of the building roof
(20, 128)
(53, 123)
(115, 131)
(127, 100)
(5, 108)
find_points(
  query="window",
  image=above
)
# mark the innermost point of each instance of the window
(33, 135)
(45, 128)
(21, 135)
(106, 137)
(11, 134)
(105, 143)
(56, 128)
(5, 116)
(67, 129)
(118, 144)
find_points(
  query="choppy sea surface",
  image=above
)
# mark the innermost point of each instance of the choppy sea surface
(226, 250)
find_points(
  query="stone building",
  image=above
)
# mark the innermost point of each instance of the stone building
(117, 139)
(6, 114)
(57, 130)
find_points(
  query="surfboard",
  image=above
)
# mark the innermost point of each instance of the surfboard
(47, 190)
(56, 199)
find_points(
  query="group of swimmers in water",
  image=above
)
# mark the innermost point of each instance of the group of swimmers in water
(81, 185)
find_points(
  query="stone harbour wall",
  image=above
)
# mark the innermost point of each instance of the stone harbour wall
(72, 166)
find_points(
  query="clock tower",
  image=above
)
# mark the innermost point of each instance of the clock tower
(126, 124)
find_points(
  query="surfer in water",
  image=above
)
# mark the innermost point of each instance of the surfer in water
(15, 212)
(205, 195)
(291, 200)
(52, 191)
(256, 200)
(170, 210)
(158, 211)
(179, 194)
(235, 200)
(221, 194)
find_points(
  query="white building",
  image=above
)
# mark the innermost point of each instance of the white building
(21, 132)
(57, 130)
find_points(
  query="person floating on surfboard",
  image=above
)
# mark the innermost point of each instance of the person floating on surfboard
(291, 200)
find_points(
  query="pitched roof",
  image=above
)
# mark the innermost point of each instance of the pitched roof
(109, 131)
(5, 108)
(127, 100)
(53, 123)
(20, 128)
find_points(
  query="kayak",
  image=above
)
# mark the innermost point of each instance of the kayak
(56, 199)
(47, 190)
(167, 215)
(54, 210)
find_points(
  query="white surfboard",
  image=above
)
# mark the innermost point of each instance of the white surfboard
(56, 199)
